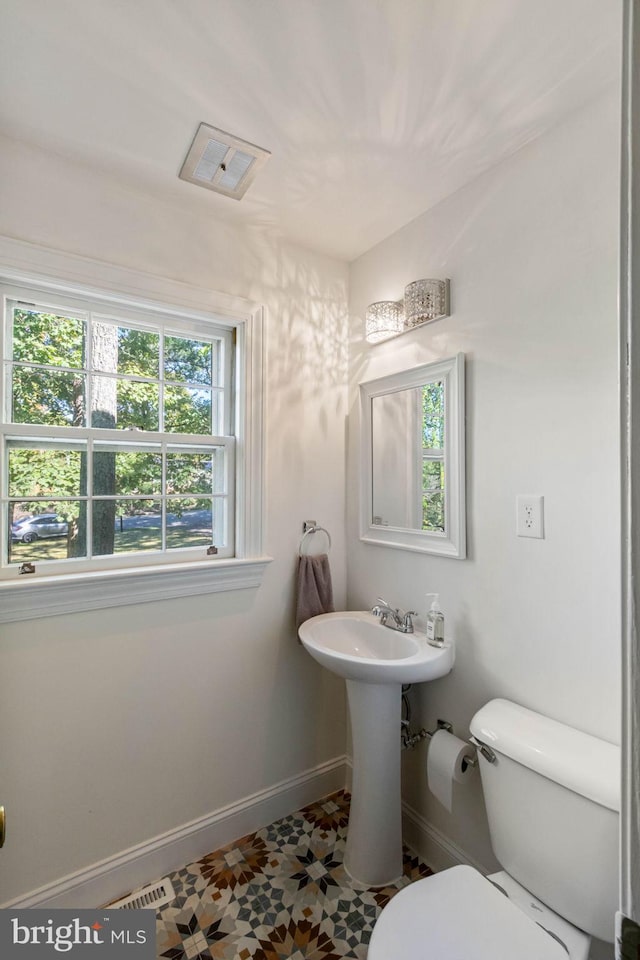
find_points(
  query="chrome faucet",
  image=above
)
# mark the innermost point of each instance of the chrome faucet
(394, 619)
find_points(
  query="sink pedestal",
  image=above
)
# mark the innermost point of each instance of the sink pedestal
(375, 661)
(374, 840)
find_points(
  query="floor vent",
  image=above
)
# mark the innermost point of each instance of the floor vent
(153, 896)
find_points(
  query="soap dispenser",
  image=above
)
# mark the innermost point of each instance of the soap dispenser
(435, 623)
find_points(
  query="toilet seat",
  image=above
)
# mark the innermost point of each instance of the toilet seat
(459, 916)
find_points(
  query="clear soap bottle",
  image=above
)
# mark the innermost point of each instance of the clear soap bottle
(435, 622)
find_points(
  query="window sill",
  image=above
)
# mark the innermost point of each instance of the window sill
(34, 596)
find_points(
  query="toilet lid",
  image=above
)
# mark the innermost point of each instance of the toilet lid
(458, 915)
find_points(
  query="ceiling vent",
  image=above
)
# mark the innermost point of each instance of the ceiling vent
(221, 162)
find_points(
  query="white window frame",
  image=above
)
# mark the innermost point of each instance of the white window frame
(93, 311)
(45, 594)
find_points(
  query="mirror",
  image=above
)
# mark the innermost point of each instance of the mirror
(413, 459)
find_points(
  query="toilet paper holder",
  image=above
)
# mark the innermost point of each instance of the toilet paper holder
(471, 760)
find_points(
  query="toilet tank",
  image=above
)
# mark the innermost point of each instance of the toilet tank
(553, 802)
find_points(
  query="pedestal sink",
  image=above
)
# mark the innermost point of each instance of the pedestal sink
(375, 661)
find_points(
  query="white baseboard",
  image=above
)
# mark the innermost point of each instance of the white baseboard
(104, 882)
(433, 848)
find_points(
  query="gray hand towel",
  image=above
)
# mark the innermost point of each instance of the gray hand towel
(315, 593)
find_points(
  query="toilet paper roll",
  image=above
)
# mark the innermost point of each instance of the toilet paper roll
(446, 765)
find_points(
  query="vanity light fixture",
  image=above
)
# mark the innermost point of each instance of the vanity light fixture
(384, 319)
(424, 301)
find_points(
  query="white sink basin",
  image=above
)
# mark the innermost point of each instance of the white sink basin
(356, 646)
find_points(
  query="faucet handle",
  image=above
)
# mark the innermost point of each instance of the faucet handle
(396, 610)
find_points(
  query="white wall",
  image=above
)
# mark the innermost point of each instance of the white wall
(126, 723)
(531, 248)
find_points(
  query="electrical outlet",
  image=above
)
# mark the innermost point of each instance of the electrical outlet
(530, 516)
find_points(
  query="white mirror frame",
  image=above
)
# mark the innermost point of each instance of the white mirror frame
(451, 543)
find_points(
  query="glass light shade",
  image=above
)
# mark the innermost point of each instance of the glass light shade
(425, 300)
(384, 319)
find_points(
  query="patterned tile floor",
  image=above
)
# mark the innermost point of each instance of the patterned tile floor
(281, 893)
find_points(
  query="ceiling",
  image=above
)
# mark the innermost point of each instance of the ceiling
(373, 110)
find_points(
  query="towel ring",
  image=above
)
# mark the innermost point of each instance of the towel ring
(315, 529)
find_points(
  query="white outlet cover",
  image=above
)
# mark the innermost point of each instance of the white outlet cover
(530, 516)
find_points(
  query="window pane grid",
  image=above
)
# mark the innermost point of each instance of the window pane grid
(156, 524)
(107, 390)
(208, 380)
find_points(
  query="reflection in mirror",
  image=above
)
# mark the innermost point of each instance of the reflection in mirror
(413, 459)
(407, 435)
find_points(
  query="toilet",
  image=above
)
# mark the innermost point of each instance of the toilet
(553, 799)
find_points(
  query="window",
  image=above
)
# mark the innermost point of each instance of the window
(130, 437)
(431, 464)
(117, 435)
